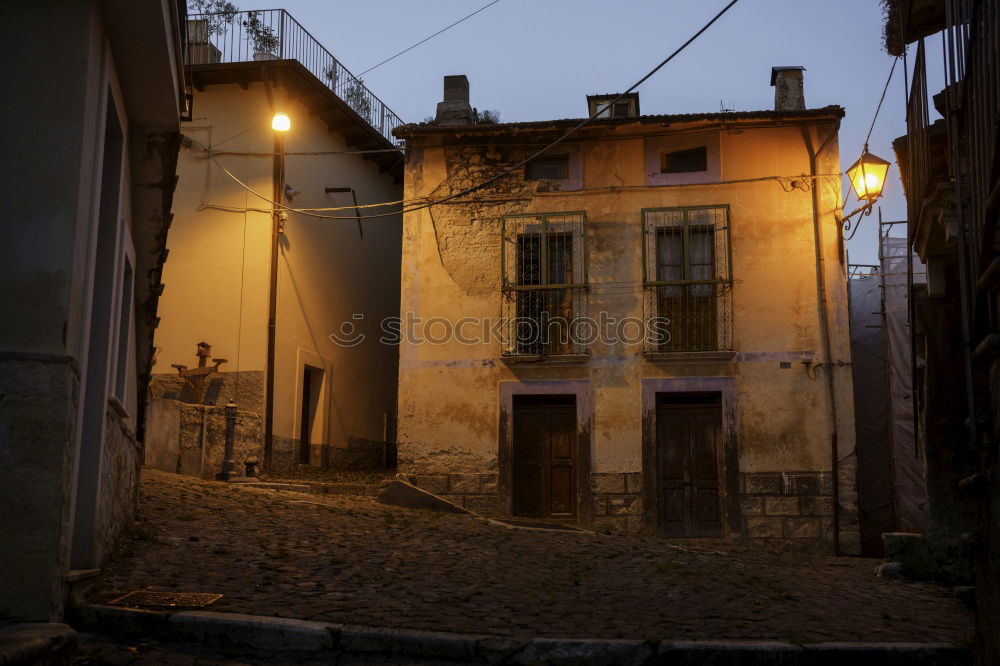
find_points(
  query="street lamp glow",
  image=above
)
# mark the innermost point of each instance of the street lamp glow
(867, 176)
(281, 122)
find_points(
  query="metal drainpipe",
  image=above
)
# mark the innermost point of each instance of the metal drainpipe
(825, 329)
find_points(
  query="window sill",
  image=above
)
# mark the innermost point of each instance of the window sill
(545, 359)
(689, 357)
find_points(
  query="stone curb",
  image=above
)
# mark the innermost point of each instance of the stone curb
(310, 487)
(33, 643)
(258, 632)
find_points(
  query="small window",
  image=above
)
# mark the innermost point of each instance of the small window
(619, 110)
(685, 161)
(555, 167)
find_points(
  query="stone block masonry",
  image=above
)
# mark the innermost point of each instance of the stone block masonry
(795, 506)
(617, 498)
(475, 492)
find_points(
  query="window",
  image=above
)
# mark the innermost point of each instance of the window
(606, 106)
(685, 161)
(544, 282)
(617, 110)
(688, 279)
(555, 167)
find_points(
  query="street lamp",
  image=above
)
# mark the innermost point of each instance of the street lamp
(867, 177)
(281, 122)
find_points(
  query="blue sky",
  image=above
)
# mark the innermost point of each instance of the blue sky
(538, 59)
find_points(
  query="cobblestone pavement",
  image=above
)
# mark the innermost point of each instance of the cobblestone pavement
(352, 560)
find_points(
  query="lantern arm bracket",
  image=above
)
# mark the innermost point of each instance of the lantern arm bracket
(865, 209)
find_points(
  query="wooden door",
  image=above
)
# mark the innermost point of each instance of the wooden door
(544, 460)
(688, 441)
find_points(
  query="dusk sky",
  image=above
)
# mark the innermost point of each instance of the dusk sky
(538, 59)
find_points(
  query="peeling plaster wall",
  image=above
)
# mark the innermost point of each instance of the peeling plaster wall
(451, 269)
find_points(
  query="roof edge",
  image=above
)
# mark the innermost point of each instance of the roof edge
(417, 129)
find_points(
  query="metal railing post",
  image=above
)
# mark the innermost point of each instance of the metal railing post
(281, 34)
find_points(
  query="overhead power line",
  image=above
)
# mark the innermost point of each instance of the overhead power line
(426, 39)
(493, 179)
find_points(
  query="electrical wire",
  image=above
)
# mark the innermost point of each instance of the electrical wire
(475, 188)
(847, 223)
(426, 39)
(881, 99)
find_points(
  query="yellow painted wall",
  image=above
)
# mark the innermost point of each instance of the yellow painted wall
(217, 272)
(783, 414)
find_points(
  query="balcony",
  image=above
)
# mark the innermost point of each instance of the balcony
(274, 35)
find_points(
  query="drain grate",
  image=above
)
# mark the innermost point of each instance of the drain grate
(150, 599)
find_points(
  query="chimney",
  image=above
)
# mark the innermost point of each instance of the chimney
(455, 109)
(788, 89)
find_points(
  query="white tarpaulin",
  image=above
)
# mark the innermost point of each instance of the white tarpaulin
(908, 461)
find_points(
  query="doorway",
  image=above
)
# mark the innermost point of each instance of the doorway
(312, 384)
(688, 465)
(544, 456)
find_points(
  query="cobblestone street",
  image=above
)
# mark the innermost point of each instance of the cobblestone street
(352, 560)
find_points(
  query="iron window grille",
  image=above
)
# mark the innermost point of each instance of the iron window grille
(687, 275)
(544, 263)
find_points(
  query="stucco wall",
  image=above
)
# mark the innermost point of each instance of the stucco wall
(451, 269)
(217, 274)
(68, 474)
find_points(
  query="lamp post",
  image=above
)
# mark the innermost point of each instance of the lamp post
(280, 123)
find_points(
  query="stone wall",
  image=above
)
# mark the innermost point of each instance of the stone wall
(794, 506)
(617, 501)
(188, 438)
(475, 492)
(119, 491)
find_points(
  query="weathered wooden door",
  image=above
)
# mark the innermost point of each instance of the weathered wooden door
(688, 441)
(544, 460)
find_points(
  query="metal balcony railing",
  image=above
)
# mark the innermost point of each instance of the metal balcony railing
(972, 68)
(273, 34)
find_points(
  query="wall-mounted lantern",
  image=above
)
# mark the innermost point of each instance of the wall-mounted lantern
(867, 176)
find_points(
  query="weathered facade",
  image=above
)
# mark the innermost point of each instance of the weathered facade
(333, 403)
(949, 171)
(90, 152)
(722, 228)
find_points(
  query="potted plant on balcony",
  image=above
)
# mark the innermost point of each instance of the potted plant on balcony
(209, 18)
(356, 96)
(265, 42)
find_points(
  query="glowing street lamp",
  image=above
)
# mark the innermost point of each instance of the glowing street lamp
(281, 122)
(867, 176)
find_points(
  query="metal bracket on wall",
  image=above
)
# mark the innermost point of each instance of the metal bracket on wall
(354, 196)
